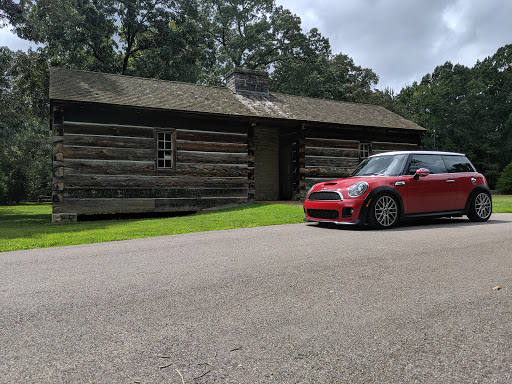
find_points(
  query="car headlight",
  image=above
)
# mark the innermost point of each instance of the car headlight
(357, 189)
(310, 189)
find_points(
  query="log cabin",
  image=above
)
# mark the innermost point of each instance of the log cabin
(124, 144)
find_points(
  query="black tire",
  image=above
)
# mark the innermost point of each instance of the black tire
(384, 212)
(480, 208)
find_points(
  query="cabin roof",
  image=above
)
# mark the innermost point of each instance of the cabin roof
(95, 87)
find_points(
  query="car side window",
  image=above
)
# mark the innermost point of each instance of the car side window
(458, 164)
(434, 163)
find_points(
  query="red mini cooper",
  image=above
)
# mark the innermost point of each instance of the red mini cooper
(388, 187)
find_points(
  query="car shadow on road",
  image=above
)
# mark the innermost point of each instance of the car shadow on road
(442, 222)
(410, 224)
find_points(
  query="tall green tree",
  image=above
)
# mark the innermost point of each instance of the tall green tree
(25, 139)
(10, 12)
(315, 72)
(135, 37)
(254, 34)
(388, 99)
(505, 180)
(467, 110)
(494, 74)
(249, 33)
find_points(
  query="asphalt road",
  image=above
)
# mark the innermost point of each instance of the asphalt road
(284, 304)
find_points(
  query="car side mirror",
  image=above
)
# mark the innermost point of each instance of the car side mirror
(421, 172)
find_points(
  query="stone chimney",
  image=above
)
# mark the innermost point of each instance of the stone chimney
(247, 82)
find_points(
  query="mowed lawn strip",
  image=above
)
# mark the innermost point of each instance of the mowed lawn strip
(502, 203)
(30, 226)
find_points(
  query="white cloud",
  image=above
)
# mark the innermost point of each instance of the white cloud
(402, 40)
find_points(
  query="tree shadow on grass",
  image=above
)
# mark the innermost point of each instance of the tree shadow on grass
(28, 226)
(25, 222)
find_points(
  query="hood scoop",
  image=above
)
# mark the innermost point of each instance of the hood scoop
(330, 183)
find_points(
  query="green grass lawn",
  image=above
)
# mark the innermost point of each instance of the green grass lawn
(502, 203)
(29, 226)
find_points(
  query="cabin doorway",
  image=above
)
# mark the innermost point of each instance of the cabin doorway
(274, 154)
(266, 163)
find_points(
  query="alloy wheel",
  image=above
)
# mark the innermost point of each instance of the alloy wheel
(386, 211)
(483, 205)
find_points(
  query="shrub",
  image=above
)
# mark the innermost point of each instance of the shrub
(505, 180)
(3, 188)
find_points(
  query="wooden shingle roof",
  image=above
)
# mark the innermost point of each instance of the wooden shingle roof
(94, 87)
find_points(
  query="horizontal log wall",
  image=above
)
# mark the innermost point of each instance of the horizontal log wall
(327, 159)
(381, 147)
(335, 153)
(108, 168)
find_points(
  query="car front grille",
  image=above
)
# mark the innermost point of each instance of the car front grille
(327, 214)
(325, 195)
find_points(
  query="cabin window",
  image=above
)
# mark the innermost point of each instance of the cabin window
(364, 151)
(165, 149)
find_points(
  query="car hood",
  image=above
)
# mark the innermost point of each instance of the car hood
(338, 185)
(341, 185)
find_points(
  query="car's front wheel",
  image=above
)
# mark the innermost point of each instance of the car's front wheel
(384, 212)
(480, 208)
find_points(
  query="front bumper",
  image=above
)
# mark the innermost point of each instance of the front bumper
(356, 222)
(336, 212)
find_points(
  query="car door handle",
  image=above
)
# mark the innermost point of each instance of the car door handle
(450, 181)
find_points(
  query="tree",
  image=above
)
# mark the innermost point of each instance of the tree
(251, 33)
(301, 75)
(314, 71)
(125, 36)
(10, 12)
(495, 75)
(388, 99)
(25, 138)
(467, 110)
(505, 180)
(257, 34)
(325, 76)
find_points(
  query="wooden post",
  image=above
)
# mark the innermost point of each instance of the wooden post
(301, 163)
(57, 123)
(250, 163)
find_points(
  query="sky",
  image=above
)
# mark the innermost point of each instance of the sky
(12, 41)
(403, 40)
(400, 40)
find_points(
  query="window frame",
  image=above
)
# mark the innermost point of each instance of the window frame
(471, 167)
(361, 150)
(165, 131)
(411, 171)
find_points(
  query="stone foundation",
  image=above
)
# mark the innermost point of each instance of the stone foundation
(64, 218)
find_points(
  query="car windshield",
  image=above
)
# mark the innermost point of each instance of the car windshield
(381, 166)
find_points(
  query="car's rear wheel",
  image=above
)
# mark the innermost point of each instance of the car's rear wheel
(384, 212)
(480, 208)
